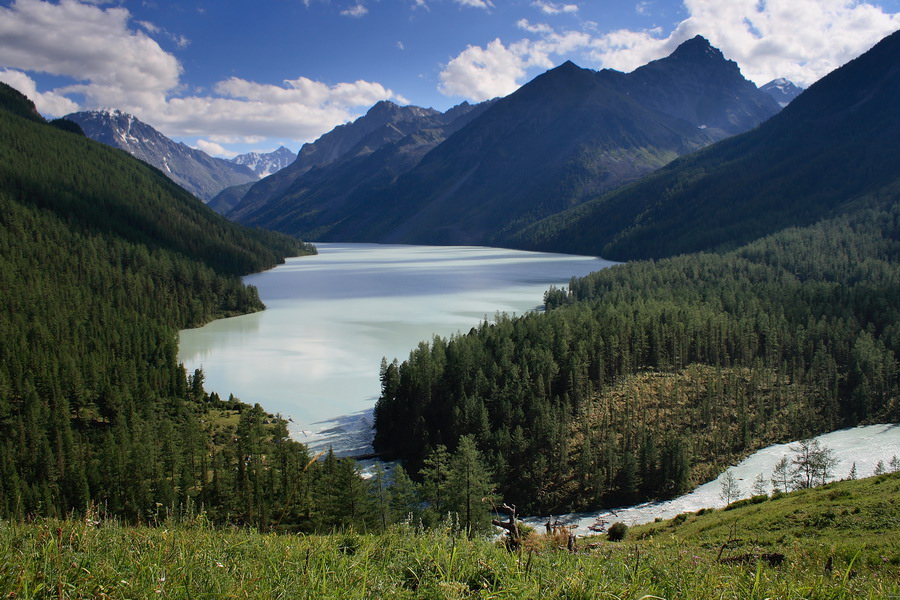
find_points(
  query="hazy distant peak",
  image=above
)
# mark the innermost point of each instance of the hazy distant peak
(266, 163)
(782, 90)
(194, 170)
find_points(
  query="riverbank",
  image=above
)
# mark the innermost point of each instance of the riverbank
(864, 447)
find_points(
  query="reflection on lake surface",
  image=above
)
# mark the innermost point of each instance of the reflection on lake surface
(316, 351)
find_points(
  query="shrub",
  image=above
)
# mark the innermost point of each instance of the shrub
(747, 501)
(616, 532)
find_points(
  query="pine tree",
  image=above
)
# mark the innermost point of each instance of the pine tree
(470, 488)
(435, 473)
(405, 501)
(379, 496)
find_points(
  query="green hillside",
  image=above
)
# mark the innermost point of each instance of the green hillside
(102, 260)
(648, 377)
(828, 543)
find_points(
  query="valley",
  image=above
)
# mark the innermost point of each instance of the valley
(162, 366)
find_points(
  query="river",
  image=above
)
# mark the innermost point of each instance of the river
(314, 354)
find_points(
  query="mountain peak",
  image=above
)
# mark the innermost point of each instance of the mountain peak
(782, 90)
(697, 47)
(567, 68)
(194, 170)
(383, 106)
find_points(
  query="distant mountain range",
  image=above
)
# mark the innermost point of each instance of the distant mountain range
(831, 150)
(353, 158)
(476, 175)
(266, 163)
(194, 170)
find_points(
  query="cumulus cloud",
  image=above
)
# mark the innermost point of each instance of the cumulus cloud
(301, 109)
(214, 149)
(801, 40)
(483, 73)
(91, 45)
(113, 64)
(49, 103)
(497, 70)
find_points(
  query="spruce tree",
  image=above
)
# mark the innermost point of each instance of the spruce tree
(470, 488)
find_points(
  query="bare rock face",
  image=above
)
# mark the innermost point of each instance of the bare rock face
(266, 163)
(194, 170)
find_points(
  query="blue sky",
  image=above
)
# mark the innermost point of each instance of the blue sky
(229, 76)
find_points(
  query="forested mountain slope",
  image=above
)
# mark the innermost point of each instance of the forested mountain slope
(102, 260)
(650, 376)
(647, 377)
(832, 147)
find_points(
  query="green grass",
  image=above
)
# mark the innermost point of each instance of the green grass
(673, 559)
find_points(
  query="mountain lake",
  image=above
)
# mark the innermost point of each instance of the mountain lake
(314, 354)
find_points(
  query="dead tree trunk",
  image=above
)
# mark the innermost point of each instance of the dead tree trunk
(513, 539)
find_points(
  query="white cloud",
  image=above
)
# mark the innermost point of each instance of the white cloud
(214, 149)
(642, 8)
(114, 65)
(180, 41)
(301, 109)
(533, 28)
(552, 8)
(150, 27)
(49, 104)
(485, 4)
(88, 44)
(483, 73)
(801, 40)
(357, 11)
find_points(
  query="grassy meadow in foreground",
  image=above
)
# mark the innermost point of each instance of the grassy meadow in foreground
(837, 541)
